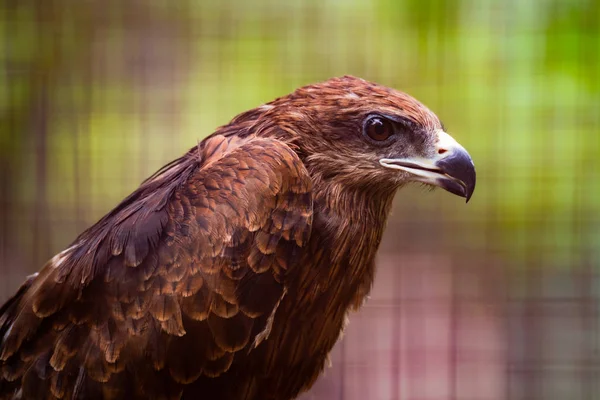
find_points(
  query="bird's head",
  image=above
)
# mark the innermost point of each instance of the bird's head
(369, 135)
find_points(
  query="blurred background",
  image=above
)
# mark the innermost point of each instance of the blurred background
(497, 299)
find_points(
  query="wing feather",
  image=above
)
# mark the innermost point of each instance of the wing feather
(168, 287)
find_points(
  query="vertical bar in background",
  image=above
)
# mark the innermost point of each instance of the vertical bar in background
(9, 125)
(530, 367)
(397, 329)
(453, 332)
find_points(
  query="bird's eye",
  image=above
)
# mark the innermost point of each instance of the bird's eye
(379, 129)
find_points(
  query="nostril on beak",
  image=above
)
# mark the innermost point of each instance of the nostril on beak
(442, 151)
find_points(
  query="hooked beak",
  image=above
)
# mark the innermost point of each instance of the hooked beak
(451, 168)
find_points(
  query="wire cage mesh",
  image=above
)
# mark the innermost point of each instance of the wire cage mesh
(494, 300)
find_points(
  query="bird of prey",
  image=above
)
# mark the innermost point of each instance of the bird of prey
(229, 273)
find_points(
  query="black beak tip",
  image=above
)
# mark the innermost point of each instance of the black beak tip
(470, 187)
(470, 183)
(460, 167)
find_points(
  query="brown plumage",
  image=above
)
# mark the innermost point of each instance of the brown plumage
(229, 273)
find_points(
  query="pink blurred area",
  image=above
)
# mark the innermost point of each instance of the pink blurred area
(422, 337)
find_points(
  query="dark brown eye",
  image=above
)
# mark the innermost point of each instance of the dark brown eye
(379, 129)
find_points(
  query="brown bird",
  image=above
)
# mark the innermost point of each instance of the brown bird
(229, 273)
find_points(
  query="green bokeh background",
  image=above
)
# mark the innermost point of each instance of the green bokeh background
(97, 95)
